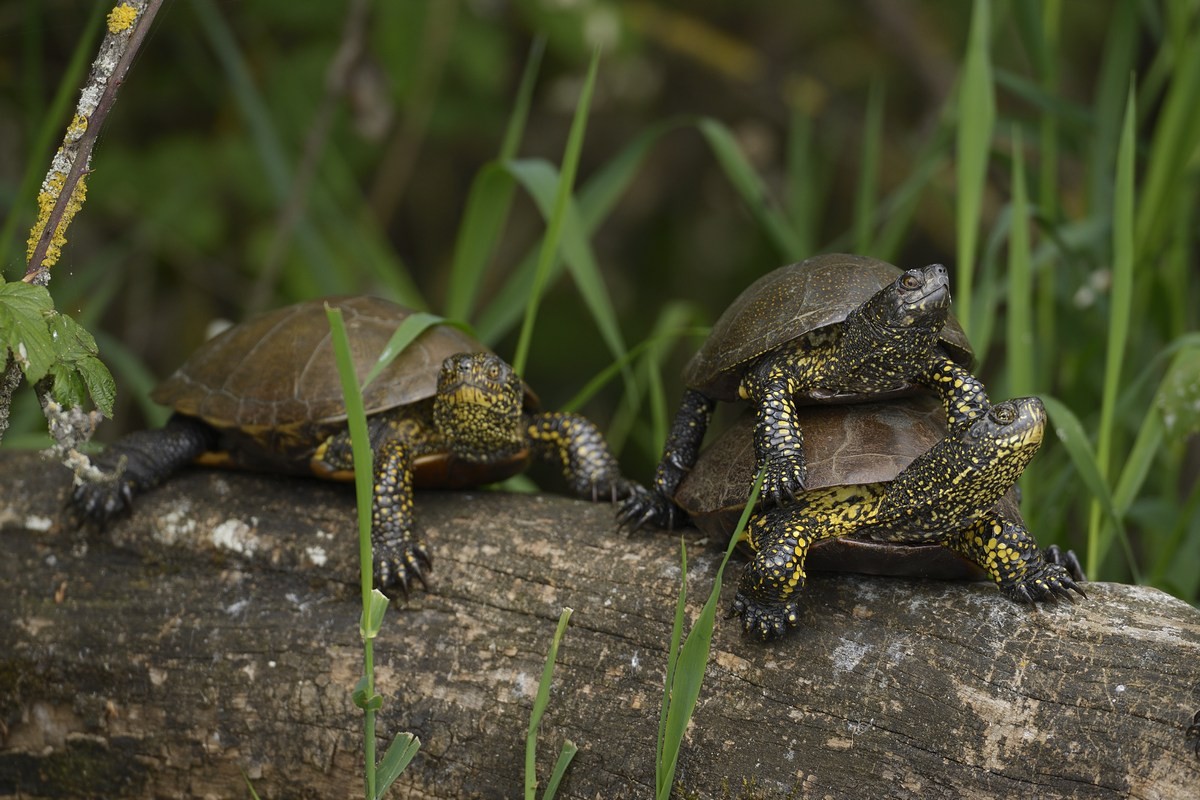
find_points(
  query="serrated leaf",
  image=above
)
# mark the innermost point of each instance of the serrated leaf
(23, 331)
(78, 372)
(100, 384)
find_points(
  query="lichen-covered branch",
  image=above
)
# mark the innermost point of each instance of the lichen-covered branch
(65, 187)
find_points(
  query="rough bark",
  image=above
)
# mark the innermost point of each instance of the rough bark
(214, 633)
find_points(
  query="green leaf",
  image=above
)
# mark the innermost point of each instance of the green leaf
(560, 768)
(405, 334)
(23, 329)
(539, 705)
(1178, 396)
(566, 186)
(397, 758)
(750, 186)
(77, 371)
(364, 697)
(1073, 437)
(688, 674)
(976, 116)
(372, 616)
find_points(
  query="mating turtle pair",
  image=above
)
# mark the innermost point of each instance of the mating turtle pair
(840, 328)
(445, 413)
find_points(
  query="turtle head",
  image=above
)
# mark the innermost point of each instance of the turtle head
(478, 406)
(961, 477)
(918, 298)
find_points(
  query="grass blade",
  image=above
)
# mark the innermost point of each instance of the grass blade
(1071, 433)
(688, 675)
(489, 201)
(865, 202)
(539, 706)
(1020, 349)
(399, 755)
(1121, 299)
(750, 186)
(560, 768)
(554, 227)
(976, 116)
(540, 179)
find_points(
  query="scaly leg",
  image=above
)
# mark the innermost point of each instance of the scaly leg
(963, 395)
(656, 507)
(1011, 557)
(577, 445)
(139, 462)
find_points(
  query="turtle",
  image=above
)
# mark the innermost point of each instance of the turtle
(847, 444)
(834, 328)
(265, 395)
(879, 505)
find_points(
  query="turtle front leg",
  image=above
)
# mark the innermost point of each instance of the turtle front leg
(138, 462)
(963, 395)
(766, 596)
(1004, 549)
(656, 507)
(399, 555)
(778, 442)
(575, 443)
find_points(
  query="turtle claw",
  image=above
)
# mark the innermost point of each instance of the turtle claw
(397, 567)
(1065, 559)
(766, 622)
(102, 500)
(643, 508)
(783, 479)
(1048, 582)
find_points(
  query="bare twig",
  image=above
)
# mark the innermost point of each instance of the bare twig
(64, 189)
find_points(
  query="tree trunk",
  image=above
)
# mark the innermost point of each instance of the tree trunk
(214, 635)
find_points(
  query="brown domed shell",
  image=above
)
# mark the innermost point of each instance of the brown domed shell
(791, 302)
(844, 444)
(277, 370)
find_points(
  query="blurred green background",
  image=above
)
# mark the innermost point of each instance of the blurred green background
(266, 152)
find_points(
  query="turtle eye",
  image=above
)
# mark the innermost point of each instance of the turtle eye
(1005, 414)
(493, 371)
(910, 280)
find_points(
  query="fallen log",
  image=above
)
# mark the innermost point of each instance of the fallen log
(212, 638)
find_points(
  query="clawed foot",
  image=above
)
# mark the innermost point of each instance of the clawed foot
(645, 508)
(1065, 559)
(784, 478)
(102, 500)
(766, 622)
(396, 566)
(609, 491)
(1048, 582)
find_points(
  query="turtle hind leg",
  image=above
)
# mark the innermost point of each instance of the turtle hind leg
(138, 462)
(574, 443)
(766, 597)
(1010, 556)
(656, 507)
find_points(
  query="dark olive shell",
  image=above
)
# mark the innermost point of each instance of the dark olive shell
(276, 370)
(791, 302)
(843, 444)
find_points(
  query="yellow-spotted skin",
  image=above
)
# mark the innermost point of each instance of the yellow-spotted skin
(833, 328)
(445, 413)
(946, 496)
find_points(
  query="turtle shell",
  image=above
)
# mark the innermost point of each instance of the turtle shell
(859, 443)
(274, 378)
(790, 302)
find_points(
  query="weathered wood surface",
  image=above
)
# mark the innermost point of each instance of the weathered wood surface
(215, 633)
